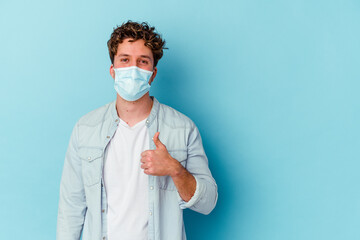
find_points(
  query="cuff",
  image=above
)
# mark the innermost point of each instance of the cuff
(195, 198)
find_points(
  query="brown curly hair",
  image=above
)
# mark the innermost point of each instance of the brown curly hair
(137, 31)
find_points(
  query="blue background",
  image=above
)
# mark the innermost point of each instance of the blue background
(272, 85)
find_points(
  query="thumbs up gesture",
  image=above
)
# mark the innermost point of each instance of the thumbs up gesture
(158, 143)
(159, 162)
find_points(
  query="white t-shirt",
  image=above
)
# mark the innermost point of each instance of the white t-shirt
(126, 183)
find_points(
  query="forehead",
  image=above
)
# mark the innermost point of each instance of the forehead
(136, 48)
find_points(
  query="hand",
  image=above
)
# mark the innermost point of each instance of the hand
(159, 162)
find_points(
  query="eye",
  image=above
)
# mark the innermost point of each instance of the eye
(143, 61)
(124, 60)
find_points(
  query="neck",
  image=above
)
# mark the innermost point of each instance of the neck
(134, 112)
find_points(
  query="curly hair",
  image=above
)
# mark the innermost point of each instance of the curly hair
(137, 31)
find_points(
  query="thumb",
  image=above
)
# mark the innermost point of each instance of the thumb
(157, 141)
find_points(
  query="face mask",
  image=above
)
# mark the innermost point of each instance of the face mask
(131, 83)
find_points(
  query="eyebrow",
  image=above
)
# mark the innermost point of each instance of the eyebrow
(146, 56)
(127, 55)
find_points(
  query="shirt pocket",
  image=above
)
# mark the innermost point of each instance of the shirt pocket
(91, 159)
(166, 182)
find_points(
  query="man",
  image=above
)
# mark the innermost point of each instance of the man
(134, 164)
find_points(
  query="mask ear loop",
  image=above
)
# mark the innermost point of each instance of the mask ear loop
(113, 71)
(151, 81)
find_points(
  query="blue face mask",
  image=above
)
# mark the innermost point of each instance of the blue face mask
(131, 83)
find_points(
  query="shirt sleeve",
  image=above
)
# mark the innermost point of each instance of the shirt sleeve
(205, 196)
(72, 203)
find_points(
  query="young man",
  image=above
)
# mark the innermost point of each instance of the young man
(134, 164)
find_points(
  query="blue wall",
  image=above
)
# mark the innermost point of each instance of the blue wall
(272, 85)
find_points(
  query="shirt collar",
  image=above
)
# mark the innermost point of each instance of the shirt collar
(153, 113)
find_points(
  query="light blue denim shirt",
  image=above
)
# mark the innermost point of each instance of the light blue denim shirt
(82, 202)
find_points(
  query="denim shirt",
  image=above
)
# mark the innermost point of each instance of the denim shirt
(82, 202)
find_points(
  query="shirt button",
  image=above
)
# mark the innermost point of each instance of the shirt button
(89, 158)
(147, 121)
(151, 188)
(150, 213)
(103, 210)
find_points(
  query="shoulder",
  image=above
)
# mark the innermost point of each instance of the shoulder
(174, 118)
(97, 115)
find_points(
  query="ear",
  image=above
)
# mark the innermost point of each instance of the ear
(112, 72)
(153, 75)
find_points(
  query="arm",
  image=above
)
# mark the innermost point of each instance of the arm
(205, 196)
(185, 182)
(196, 187)
(72, 204)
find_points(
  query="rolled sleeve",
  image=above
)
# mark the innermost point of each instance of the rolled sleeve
(195, 198)
(205, 196)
